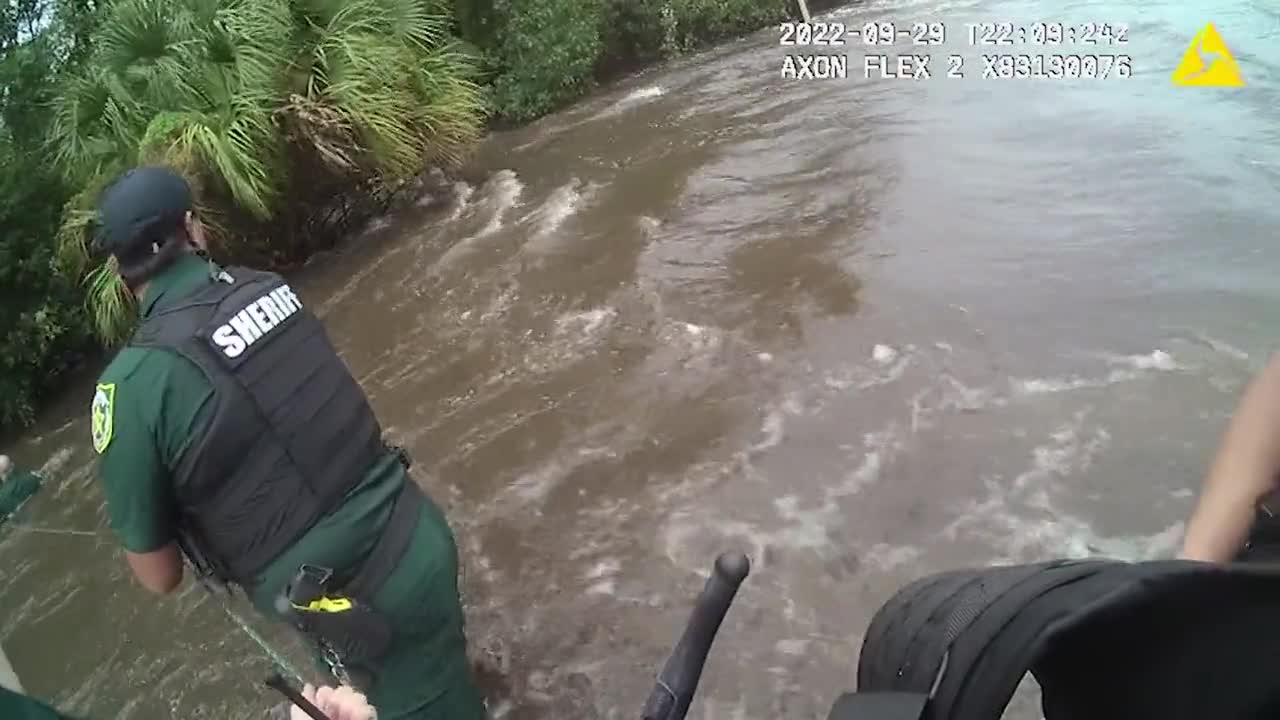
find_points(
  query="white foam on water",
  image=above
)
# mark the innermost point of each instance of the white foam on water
(534, 487)
(792, 646)
(1066, 453)
(462, 193)
(799, 526)
(1044, 386)
(605, 567)
(377, 223)
(537, 485)
(773, 427)
(1020, 522)
(803, 527)
(687, 346)
(59, 598)
(883, 354)
(648, 225)
(587, 322)
(636, 97)
(479, 563)
(886, 557)
(878, 448)
(505, 193)
(952, 395)
(644, 93)
(1134, 367)
(56, 462)
(76, 481)
(964, 398)
(918, 409)
(499, 306)
(892, 366)
(560, 205)
(1154, 360)
(1182, 494)
(550, 128)
(501, 193)
(604, 587)
(573, 336)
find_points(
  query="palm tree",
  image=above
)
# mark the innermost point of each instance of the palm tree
(256, 101)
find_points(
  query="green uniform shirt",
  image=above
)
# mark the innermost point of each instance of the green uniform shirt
(16, 706)
(150, 403)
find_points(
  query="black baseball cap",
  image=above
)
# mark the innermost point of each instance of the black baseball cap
(133, 201)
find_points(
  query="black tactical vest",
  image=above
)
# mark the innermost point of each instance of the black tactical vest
(291, 431)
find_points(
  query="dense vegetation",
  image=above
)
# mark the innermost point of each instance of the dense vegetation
(293, 118)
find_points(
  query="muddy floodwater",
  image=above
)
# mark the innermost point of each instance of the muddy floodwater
(861, 329)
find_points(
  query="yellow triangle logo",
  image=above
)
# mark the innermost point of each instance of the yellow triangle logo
(1207, 62)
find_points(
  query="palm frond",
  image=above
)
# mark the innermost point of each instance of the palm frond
(225, 90)
(258, 34)
(73, 241)
(450, 105)
(77, 121)
(112, 308)
(423, 25)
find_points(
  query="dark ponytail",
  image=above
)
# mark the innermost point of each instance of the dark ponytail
(156, 245)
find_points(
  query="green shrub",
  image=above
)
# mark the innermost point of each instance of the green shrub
(548, 50)
(41, 315)
(479, 22)
(700, 22)
(632, 31)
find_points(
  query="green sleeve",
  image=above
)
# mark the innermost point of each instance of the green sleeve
(15, 706)
(135, 481)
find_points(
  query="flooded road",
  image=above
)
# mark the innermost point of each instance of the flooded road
(861, 329)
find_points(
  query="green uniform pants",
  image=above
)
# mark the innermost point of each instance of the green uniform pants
(15, 706)
(425, 674)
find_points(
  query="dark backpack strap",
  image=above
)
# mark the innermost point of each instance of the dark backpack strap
(916, 642)
(1105, 640)
(391, 545)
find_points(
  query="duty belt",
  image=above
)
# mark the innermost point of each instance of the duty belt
(338, 614)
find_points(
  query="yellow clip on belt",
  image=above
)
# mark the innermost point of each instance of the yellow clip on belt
(327, 604)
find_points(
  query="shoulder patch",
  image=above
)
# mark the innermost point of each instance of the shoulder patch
(101, 415)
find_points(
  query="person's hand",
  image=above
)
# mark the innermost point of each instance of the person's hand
(342, 703)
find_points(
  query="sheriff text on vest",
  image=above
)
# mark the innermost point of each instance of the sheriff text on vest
(256, 320)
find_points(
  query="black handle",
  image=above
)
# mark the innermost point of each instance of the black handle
(280, 685)
(678, 681)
